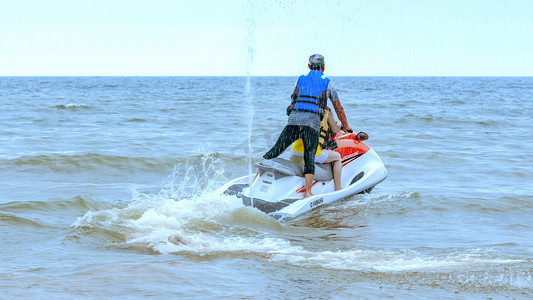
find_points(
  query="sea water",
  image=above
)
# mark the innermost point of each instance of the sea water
(106, 189)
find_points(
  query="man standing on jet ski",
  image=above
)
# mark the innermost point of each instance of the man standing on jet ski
(308, 102)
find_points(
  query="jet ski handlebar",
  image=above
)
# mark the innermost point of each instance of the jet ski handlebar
(361, 136)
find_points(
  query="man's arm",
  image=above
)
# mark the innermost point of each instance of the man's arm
(339, 110)
(332, 124)
(294, 97)
(334, 97)
(295, 94)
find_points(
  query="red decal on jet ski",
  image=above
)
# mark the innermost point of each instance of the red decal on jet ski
(350, 159)
(356, 154)
(303, 189)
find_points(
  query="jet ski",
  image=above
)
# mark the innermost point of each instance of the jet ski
(279, 188)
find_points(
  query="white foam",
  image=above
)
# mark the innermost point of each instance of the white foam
(191, 225)
(207, 243)
(73, 106)
(389, 261)
(76, 105)
(523, 280)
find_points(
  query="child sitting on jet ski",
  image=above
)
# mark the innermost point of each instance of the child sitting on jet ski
(325, 154)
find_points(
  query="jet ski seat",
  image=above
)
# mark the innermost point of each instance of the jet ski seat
(283, 167)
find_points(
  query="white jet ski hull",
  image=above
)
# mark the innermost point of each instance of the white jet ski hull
(281, 195)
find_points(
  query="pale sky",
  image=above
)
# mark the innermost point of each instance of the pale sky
(240, 37)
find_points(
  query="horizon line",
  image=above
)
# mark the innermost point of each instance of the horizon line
(246, 76)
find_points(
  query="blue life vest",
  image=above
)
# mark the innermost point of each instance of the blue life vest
(310, 87)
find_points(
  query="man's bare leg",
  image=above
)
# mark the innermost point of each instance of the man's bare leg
(257, 173)
(335, 157)
(337, 173)
(309, 178)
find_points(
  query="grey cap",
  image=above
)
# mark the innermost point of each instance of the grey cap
(316, 59)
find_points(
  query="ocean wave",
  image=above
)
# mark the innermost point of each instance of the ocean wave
(352, 212)
(184, 216)
(85, 162)
(43, 213)
(14, 220)
(139, 120)
(452, 121)
(208, 224)
(497, 205)
(469, 275)
(154, 218)
(376, 204)
(386, 261)
(91, 161)
(59, 204)
(489, 205)
(473, 269)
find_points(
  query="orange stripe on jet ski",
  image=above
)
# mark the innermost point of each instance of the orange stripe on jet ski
(302, 189)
